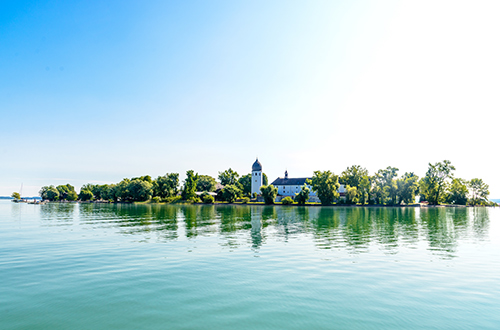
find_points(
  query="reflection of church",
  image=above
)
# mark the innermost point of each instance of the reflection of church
(286, 186)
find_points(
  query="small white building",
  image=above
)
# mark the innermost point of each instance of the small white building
(291, 186)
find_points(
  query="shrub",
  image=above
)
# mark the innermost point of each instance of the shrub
(269, 193)
(245, 200)
(208, 199)
(287, 200)
(156, 199)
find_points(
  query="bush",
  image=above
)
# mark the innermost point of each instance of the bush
(208, 199)
(245, 200)
(287, 201)
(156, 199)
(269, 193)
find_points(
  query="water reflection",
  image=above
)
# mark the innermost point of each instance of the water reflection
(356, 230)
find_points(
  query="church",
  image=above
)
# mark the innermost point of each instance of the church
(286, 186)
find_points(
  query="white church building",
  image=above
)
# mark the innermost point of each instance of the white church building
(286, 186)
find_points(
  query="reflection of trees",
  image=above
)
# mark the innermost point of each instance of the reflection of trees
(440, 231)
(199, 220)
(326, 228)
(62, 212)
(352, 228)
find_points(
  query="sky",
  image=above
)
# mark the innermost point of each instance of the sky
(96, 91)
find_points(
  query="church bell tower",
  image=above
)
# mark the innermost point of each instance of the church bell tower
(256, 177)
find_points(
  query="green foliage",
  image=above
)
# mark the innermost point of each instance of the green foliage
(364, 189)
(230, 193)
(156, 199)
(206, 183)
(458, 192)
(67, 192)
(407, 188)
(246, 184)
(287, 200)
(166, 186)
(479, 192)
(385, 188)
(254, 195)
(208, 199)
(245, 200)
(353, 176)
(325, 184)
(189, 190)
(433, 186)
(139, 190)
(16, 195)
(49, 193)
(302, 197)
(228, 177)
(269, 193)
(86, 195)
(265, 181)
(351, 195)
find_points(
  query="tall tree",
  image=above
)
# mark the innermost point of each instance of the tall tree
(206, 183)
(458, 192)
(433, 185)
(385, 186)
(166, 185)
(407, 188)
(246, 184)
(228, 177)
(478, 191)
(139, 190)
(189, 190)
(16, 195)
(353, 176)
(325, 184)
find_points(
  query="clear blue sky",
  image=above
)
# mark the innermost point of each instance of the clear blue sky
(94, 91)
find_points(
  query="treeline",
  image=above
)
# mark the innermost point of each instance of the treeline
(164, 188)
(384, 187)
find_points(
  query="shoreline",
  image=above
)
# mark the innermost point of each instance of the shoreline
(416, 205)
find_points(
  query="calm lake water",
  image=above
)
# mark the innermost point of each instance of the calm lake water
(97, 266)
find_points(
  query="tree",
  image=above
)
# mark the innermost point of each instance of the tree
(264, 179)
(325, 184)
(478, 191)
(353, 176)
(206, 183)
(433, 185)
(49, 193)
(287, 200)
(351, 195)
(364, 189)
(166, 186)
(246, 184)
(407, 188)
(269, 193)
(385, 187)
(458, 192)
(302, 197)
(139, 190)
(228, 177)
(207, 199)
(67, 192)
(189, 190)
(230, 193)
(16, 195)
(86, 195)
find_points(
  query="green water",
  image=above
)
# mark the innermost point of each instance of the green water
(70, 266)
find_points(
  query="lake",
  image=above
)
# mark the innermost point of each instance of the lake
(118, 266)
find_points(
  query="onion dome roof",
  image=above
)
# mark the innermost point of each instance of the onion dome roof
(257, 166)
